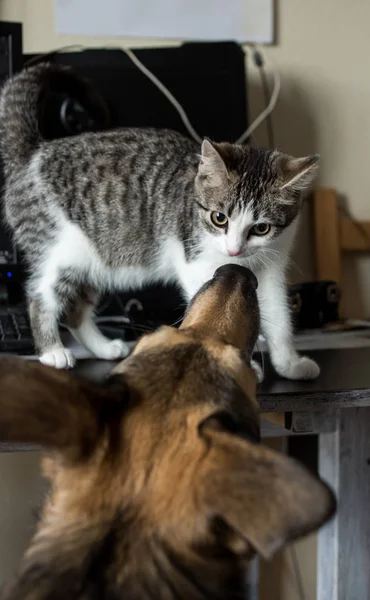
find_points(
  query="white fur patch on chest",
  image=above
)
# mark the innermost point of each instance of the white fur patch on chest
(193, 274)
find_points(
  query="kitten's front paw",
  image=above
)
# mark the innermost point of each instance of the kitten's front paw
(113, 349)
(258, 370)
(300, 367)
(60, 358)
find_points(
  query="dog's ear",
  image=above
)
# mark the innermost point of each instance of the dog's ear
(54, 409)
(264, 498)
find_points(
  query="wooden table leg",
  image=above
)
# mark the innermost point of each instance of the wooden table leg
(344, 544)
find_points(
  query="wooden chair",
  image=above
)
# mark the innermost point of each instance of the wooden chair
(335, 233)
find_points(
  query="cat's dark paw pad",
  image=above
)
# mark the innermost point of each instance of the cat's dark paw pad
(300, 367)
(60, 358)
(113, 349)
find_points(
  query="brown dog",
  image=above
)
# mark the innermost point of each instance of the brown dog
(159, 487)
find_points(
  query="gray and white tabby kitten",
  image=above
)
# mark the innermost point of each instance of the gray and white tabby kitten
(114, 210)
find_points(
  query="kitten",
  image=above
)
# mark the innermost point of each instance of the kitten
(119, 209)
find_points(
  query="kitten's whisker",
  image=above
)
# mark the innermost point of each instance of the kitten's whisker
(271, 261)
(277, 252)
(271, 343)
(286, 257)
(143, 328)
(256, 258)
(262, 261)
(177, 322)
(265, 320)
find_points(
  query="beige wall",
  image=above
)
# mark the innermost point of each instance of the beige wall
(323, 55)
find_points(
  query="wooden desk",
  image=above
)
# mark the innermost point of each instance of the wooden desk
(344, 382)
(339, 400)
(337, 407)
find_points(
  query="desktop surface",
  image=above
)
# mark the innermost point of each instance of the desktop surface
(344, 381)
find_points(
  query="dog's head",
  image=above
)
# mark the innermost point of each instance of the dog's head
(159, 487)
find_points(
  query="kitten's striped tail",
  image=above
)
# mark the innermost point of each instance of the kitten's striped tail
(22, 104)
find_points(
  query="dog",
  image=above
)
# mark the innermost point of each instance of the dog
(159, 486)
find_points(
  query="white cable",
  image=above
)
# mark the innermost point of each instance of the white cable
(166, 92)
(253, 126)
(269, 108)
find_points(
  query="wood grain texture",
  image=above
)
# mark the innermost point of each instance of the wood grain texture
(326, 234)
(316, 401)
(344, 544)
(354, 235)
(327, 549)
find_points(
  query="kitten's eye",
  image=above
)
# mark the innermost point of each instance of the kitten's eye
(261, 229)
(219, 219)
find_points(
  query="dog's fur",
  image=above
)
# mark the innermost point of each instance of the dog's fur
(159, 488)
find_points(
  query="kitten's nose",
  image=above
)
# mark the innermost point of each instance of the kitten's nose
(234, 252)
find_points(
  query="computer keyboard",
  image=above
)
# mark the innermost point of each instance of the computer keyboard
(16, 335)
(15, 332)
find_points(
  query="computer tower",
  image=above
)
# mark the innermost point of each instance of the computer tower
(11, 268)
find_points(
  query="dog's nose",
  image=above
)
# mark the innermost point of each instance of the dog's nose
(237, 272)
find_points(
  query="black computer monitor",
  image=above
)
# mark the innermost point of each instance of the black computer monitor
(208, 79)
(11, 60)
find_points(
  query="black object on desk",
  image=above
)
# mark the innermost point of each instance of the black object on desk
(314, 303)
(15, 332)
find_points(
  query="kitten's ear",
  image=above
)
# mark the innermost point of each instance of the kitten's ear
(211, 163)
(298, 174)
